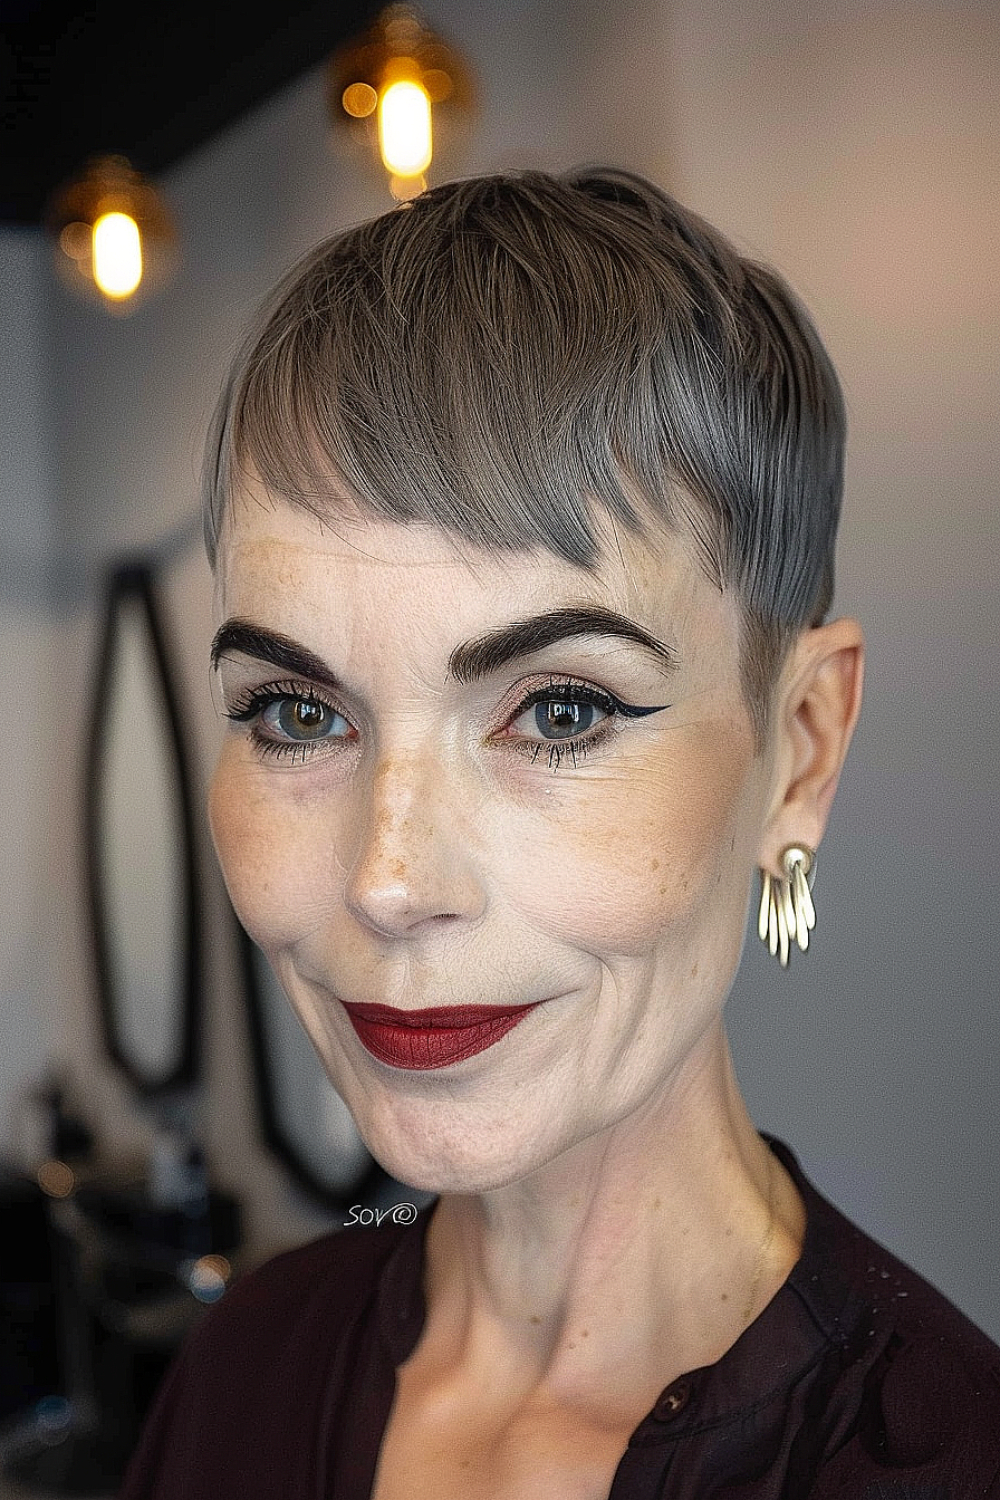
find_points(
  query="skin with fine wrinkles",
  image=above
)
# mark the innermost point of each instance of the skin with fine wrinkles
(353, 857)
(423, 854)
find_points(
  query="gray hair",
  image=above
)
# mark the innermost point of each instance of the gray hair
(504, 353)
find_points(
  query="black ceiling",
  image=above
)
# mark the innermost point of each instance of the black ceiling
(150, 82)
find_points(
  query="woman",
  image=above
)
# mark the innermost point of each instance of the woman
(522, 505)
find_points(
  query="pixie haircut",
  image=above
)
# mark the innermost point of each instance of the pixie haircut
(505, 356)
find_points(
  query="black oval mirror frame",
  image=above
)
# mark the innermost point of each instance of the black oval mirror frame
(130, 588)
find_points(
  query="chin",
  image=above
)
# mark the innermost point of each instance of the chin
(441, 1174)
(456, 1156)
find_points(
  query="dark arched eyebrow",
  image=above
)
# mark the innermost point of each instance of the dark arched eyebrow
(244, 638)
(469, 661)
(488, 653)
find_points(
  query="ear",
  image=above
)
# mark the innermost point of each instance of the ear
(816, 706)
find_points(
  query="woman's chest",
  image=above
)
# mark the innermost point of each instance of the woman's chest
(530, 1459)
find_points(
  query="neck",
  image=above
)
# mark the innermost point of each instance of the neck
(637, 1255)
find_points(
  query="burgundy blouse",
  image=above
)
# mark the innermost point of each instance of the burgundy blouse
(858, 1381)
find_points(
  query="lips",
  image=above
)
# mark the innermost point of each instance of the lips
(422, 1039)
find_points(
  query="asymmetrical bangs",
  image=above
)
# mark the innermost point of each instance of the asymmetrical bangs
(506, 356)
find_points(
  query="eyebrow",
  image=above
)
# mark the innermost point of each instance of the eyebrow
(242, 637)
(488, 653)
(469, 662)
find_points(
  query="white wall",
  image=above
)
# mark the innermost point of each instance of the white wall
(857, 147)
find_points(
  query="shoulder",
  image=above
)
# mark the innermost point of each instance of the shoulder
(351, 1257)
(249, 1402)
(937, 1378)
(328, 1283)
(891, 1294)
(918, 1383)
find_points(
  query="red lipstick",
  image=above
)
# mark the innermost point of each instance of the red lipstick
(421, 1039)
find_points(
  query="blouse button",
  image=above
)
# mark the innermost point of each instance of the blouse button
(673, 1401)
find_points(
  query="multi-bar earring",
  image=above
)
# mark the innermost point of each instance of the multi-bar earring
(786, 912)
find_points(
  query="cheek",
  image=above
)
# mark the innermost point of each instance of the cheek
(268, 864)
(619, 859)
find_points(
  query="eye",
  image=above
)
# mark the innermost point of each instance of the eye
(560, 717)
(289, 721)
(302, 721)
(569, 720)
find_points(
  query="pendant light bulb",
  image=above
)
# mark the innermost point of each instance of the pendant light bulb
(405, 96)
(405, 135)
(116, 256)
(114, 238)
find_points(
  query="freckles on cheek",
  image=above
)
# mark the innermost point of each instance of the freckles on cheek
(269, 869)
(615, 860)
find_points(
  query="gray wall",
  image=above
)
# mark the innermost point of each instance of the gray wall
(29, 721)
(857, 147)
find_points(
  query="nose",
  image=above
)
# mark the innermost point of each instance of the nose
(412, 864)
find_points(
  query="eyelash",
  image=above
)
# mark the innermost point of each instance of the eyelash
(250, 707)
(578, 747)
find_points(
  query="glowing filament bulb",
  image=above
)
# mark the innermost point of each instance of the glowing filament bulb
(117, 254)
(404, 129)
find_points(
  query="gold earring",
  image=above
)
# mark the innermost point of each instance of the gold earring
(786, 904)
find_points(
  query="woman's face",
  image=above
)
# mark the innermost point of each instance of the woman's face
(418, 808)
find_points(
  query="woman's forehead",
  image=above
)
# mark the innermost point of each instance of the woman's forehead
(286, 568)
(262, 528)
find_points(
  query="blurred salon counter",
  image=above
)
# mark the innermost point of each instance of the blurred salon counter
(100, 1282)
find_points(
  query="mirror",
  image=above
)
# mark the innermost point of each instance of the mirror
(141, 875)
